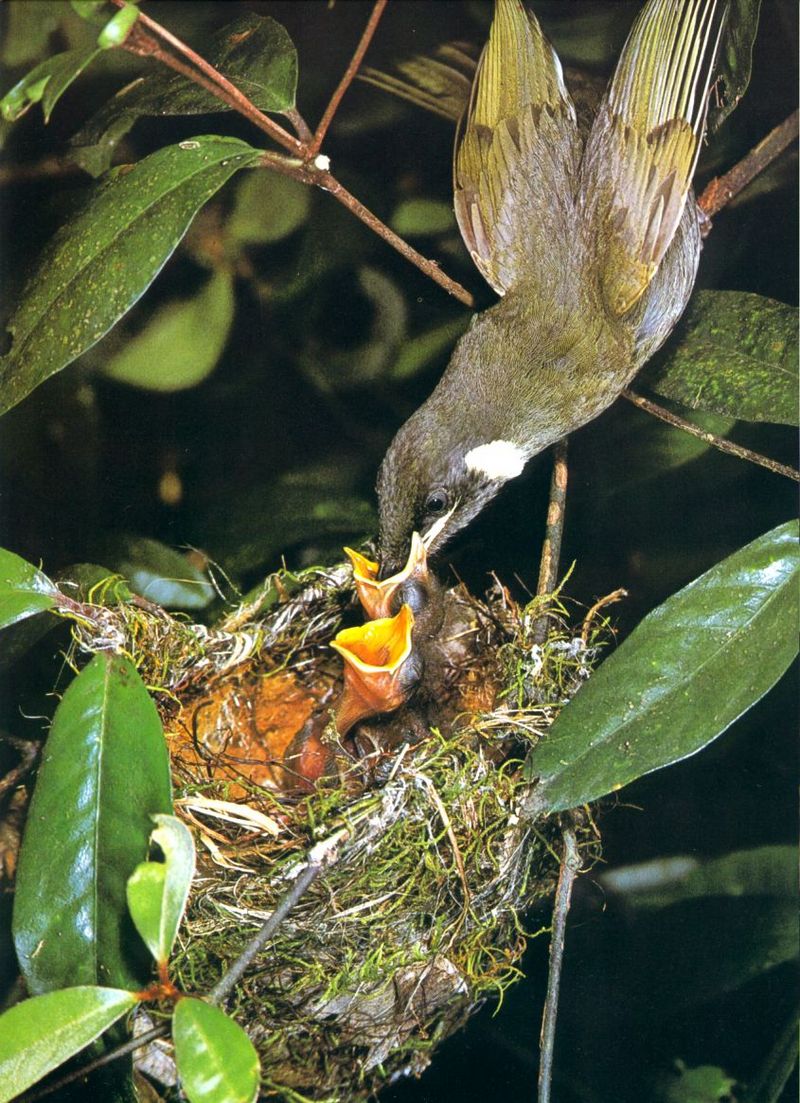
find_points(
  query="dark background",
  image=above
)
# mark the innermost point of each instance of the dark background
(82, 458)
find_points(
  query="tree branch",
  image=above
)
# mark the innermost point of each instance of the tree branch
(721, 190)
(554, 530)
(349, 74)
(570, 867)
(726, 446)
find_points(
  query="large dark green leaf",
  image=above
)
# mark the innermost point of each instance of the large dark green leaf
(772, 1078)
(735, 59)
(688, 670)
(104, 772)
(24, 591)
(254, 52)
(101, 262)
(217, 1062)
(38, 1035)
(735, 354)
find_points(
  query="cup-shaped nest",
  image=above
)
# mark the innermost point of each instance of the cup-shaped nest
(417, 918)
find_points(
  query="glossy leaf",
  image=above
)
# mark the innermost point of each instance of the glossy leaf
(763, 871)
(254, 52)
(734, 354)
(104, 772)
(217, 1062)
(46, 83)
(100, 263)
(159, 573)
(691, 667)
(735, 61)
(118, 27)
(24, 590)
(27, 29)
(158, 891)
(38, 1035)
(181, 343)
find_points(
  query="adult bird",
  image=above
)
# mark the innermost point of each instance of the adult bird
(590, 235)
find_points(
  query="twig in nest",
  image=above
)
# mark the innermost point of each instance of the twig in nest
(723, 445)
(570, 867)
(554, 530)
(609, 599)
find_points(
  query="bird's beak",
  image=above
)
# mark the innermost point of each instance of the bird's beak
(375, 656)
(375, 595)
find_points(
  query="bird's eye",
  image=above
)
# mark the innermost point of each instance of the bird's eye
(436, 502)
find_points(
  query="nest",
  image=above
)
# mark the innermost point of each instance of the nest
(418, 917)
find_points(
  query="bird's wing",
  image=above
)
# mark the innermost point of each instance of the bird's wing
(643, 147)
(517, 150)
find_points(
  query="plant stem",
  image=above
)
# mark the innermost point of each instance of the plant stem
(554, 530)
(346, 81)
(570, 867)
(99, 1062)
(323, 854)
(721, 190)
(726, 446)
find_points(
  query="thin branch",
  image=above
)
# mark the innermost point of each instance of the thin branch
(346, 81)
(28, 752)
(323, 854)
(726, 446)
(722, 189)
(570, 867)
(554, 531)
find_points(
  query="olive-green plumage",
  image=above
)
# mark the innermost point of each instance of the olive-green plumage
(591, 237)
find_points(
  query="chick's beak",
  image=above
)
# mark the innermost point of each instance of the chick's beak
(378, 595)
(377, 660)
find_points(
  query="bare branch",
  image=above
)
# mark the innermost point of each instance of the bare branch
(722, 189)
(570, 867)
(723, 445)
(554, 531)
(347, 79)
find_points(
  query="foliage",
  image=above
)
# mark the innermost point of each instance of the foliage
(200, 360)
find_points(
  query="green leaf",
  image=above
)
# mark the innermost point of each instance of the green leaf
(268, 208)
(103, 261)
(763, 871)
(181, 343)
(254, 52)
(24, 590)
(690, 668)
(703, 1084)
(217, 1062)
(422, 216)
(118, 27)
(46, 83)
(734, 354)
(104, 772)
(38, 1035)
(735, 59)
(158, 891)
(159, 573)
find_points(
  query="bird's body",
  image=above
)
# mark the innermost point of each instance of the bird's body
(591, 237)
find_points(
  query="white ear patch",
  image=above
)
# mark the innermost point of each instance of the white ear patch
(500, 459)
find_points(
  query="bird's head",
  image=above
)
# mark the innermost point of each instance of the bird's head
(433, 481)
